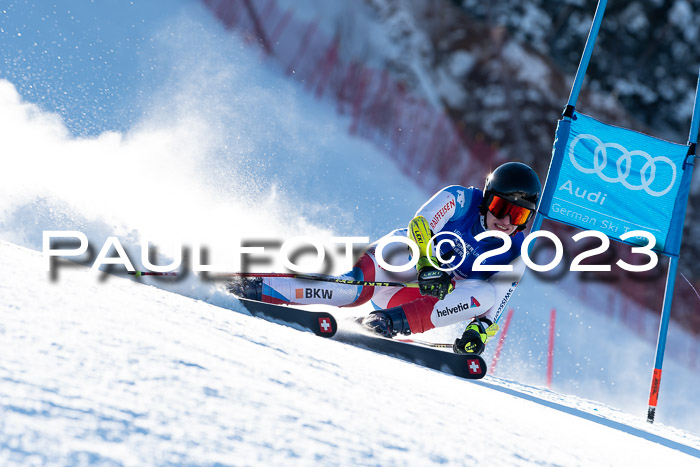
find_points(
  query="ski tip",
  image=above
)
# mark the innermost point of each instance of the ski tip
(476, 367)
(327, 325)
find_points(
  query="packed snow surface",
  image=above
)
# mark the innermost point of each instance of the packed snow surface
(99, 369)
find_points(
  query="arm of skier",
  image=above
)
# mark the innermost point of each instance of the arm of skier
(447, 204)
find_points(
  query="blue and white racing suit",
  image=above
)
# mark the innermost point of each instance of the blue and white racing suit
(453, 213)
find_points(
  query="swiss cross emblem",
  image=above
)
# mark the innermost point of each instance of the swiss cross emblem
(325, 324)
(474, 367)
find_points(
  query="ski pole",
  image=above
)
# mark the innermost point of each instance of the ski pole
(310, 277)
(323, 278)
(436, 345)
(148, 273)
(491, 331)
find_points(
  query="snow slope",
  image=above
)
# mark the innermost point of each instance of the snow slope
(114, 372)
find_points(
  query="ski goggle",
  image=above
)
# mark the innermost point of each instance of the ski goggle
(500, 207)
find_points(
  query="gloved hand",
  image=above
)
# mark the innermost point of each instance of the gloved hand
(476, 335)
(434, 282)
(431, 281)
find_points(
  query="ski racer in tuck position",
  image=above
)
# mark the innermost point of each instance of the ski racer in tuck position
(442, 298)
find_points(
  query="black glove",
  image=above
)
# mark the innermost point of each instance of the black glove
(470, 342)
(474, 338)
(434, 282)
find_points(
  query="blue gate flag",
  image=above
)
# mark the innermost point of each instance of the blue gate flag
(615, 180)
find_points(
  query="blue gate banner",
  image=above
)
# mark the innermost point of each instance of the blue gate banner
(615, 180)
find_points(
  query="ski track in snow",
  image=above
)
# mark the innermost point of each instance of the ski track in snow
(111, 371)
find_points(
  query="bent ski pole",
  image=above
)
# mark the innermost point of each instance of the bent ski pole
(310, 277)
(436, 345)
(148, 273)
(323, 278)
(491, 331)
(338, 280)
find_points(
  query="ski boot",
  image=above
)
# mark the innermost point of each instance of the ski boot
(387, 323)
(246, 287)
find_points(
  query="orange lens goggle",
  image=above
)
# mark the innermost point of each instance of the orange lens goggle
(500, 207)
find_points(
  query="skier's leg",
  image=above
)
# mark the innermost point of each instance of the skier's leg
(470, 298)
(292, 291)
(289, 291)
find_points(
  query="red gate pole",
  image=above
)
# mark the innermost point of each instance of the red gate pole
(501, 340)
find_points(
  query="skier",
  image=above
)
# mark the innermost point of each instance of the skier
(443, 297)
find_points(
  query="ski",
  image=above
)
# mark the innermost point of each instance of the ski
(462, 365)
(325, 325)
(320, 323)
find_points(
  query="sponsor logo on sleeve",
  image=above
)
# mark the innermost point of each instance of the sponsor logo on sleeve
(449, 206)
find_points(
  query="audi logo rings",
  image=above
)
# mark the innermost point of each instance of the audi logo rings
(624, 165)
